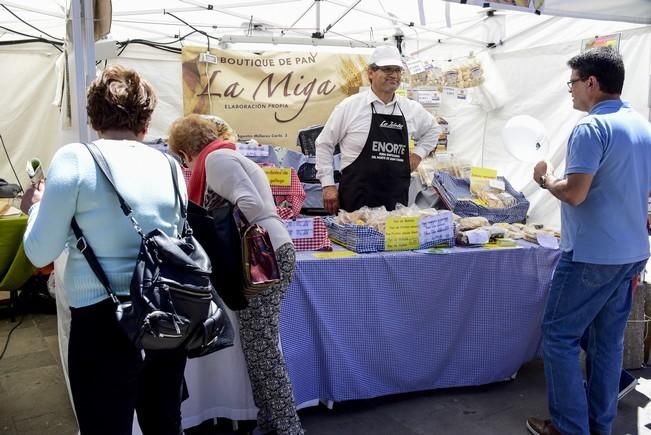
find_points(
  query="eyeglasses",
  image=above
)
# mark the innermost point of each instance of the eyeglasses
(391, 69)
(571, 83)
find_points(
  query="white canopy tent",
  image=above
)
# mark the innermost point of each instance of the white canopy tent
(525, 65)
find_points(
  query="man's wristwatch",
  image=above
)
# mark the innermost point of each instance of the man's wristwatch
(543, 181)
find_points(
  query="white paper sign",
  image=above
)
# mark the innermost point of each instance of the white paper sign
(478, 236)
(547, 240)
(252, 150)
(497, 184)
(428, 97)
(415, 66)
(301, 228)
(433, 228)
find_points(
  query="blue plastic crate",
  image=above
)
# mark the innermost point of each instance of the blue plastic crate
(451, 190)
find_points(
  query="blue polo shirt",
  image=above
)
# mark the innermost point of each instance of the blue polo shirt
(612, 143)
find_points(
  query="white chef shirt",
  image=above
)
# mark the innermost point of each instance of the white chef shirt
(350, 123)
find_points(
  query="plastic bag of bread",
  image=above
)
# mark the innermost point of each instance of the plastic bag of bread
(469, 223)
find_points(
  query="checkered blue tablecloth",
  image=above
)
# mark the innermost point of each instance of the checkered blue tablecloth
(393, 322)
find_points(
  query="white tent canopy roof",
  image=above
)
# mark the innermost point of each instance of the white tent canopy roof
(355, 21)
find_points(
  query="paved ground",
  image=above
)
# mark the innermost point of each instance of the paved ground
(34, 401)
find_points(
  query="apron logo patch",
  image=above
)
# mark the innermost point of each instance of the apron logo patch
(391, 124)
(388, 148)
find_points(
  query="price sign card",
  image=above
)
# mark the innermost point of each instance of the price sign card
(279, 176)
(429, 97)
(435, 228)
(450, 92)
(401, 233)
(479, 172)
(300, 228)
(252, 150)
(415, 66)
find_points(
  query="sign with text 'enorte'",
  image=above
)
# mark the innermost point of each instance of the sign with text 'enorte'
(269, 97)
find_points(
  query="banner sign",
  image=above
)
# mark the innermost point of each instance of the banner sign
(269, 97)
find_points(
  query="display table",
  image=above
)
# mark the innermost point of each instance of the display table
(386, 323)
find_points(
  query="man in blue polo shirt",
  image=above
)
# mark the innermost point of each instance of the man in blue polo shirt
(605, 244)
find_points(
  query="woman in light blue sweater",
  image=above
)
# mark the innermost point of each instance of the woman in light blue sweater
(109, 377)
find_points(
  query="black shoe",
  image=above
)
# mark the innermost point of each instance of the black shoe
(538, 426)
(627, 383)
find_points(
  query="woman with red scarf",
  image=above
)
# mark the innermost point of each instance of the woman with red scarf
(221, 175)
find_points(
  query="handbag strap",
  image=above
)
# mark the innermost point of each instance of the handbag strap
(92, 260)
(82, 244)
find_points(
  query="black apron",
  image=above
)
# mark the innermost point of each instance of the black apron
(380, 175)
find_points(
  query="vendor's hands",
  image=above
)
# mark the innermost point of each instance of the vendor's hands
(331, 199)
(539, 170)
(32, 196)
(414, 161)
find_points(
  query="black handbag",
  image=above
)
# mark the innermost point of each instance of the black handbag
(243, 251)
(172, 301)
(217, 231)
(8, 190)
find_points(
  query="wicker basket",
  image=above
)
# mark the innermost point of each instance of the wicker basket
(451, 190)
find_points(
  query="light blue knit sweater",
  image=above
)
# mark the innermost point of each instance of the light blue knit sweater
(75, 187)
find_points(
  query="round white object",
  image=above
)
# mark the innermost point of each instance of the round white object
(525, 139)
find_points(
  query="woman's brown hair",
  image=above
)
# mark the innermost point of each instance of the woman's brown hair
(191, 134)
(119, 99)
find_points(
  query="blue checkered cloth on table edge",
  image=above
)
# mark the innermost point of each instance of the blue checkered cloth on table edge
(363, 239)
(451, 189)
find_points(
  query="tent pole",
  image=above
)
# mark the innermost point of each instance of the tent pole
(38, 11)
(317, 30)
(302, 15)
(350, 8)
(83, 49)
(222, 10)
(410, 24)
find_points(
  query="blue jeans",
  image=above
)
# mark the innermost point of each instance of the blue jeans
(586, 296)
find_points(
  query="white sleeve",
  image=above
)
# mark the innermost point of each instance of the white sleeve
(48, 226)
(332, 133)
(426, 130)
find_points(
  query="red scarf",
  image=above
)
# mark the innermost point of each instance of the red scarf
(197, 184)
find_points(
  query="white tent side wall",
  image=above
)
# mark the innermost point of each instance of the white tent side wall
(30, 125)
(535, 81)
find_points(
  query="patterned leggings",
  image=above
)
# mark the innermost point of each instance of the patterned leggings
(272, 389)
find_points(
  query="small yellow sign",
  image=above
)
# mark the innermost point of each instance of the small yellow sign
(279, 176)
(334, 254)
(479, 202)
(476, 171)
(401, 233)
